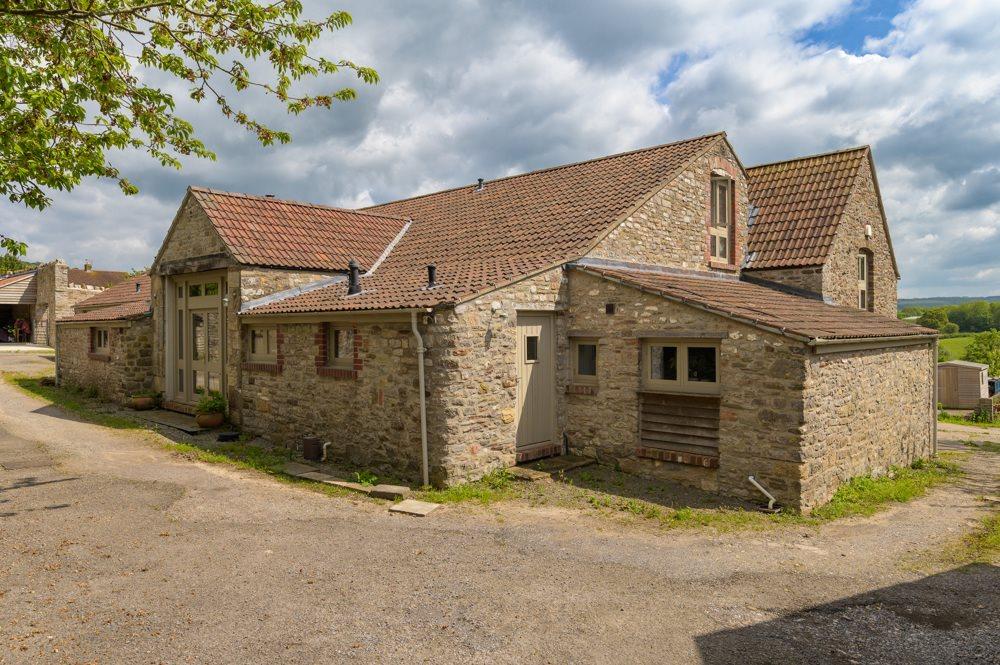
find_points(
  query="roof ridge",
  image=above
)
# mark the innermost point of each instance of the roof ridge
(294, 202)
(550, 168)
(814, 156)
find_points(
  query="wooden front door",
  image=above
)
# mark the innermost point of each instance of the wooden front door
(196, 337)
(536, 380)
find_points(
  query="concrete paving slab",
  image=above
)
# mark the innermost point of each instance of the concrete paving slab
(318, 476)
(414, 507)
(391, 492)
(295, 469)
(528, 474)
(348, 485)
(181, 421)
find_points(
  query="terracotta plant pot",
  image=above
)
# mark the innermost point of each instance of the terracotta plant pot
(143, 403)
(209, 420)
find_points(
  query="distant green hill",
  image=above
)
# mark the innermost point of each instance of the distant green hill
(942, 301)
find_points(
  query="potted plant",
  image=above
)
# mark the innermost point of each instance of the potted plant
(143, 400)
(211, 409)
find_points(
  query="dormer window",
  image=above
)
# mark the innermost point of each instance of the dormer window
(720, 222)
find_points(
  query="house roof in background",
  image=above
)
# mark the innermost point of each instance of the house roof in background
(135, 289)
(125, 311)
(100, 279)
(265, 231)
(481, 239)
(799, 205)
(763, 307)
(16, 277)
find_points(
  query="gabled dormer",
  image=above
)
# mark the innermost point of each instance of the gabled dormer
(695, 220)
(818, 225)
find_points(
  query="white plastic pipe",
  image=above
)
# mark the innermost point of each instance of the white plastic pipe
(423, 402)
(771, 499)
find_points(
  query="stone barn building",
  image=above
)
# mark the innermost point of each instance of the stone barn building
(107, 344)
(39, 296)
(602, 308)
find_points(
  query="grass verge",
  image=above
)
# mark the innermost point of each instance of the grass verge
(859, 497)
(235, 454)
(962, 420)
(985, 446)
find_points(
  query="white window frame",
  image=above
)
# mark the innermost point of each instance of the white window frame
(575, 344)
(333, 332)
(683, 384)
(100, 341)
(269, 336)
(720, 222)
(863, 268)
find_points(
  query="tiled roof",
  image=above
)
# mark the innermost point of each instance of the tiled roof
(799, 203)
(129, 310)
(260, 230)
(16, 277)
(101, 279)
(514, 226)
(764, 307)
(125, 292)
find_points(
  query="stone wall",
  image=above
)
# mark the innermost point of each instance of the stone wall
(809, 278)
(259, 282)
(126, 370)
(760, 408)
(192, 235)
(472, 376)
(56, 299)
(370, 413)
(840, 274)
(671, 229)
(864, 412)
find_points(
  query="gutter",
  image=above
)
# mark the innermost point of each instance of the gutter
(423, 398)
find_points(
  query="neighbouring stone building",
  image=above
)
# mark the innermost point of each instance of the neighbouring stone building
(601, 308)
(42, 295)
(106, 346)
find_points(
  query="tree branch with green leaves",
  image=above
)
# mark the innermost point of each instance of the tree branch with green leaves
(73, 81)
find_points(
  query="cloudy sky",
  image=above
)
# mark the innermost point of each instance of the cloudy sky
(488, 88)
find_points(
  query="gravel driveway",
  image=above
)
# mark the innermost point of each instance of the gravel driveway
(114, 551)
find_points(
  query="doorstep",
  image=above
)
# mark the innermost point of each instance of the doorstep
(184, 423)
(382, 491)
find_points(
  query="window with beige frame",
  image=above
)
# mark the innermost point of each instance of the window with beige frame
(340, 346)
(720, 221)
(100, 341)
(262, 344)
(681, 366)
(865, 280)
(583, 351)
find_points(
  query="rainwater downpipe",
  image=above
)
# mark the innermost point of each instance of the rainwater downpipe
(423, 399)
(770, 497)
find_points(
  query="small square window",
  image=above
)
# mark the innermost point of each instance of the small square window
(263, 343)
(584, 360)
(701, 364)
(663, 363)
(194, 290)
(531, 348)
(340, 347)
(212, 289)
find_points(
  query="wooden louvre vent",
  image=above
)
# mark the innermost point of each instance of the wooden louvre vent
(679, 428)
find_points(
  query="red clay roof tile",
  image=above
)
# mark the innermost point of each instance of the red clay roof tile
(799, 203)
(513, 227)
(761, 306)
(265, 231)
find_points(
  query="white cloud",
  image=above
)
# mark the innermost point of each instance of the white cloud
(483, 89)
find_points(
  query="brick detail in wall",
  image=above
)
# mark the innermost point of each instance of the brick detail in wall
(680, 458)
(539, 452)
(323, 367)
(581, 389)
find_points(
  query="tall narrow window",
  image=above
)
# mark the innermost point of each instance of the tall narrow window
(263, 344)
(584, 360)
(99, 341)
(720, 223)
(864, 274)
